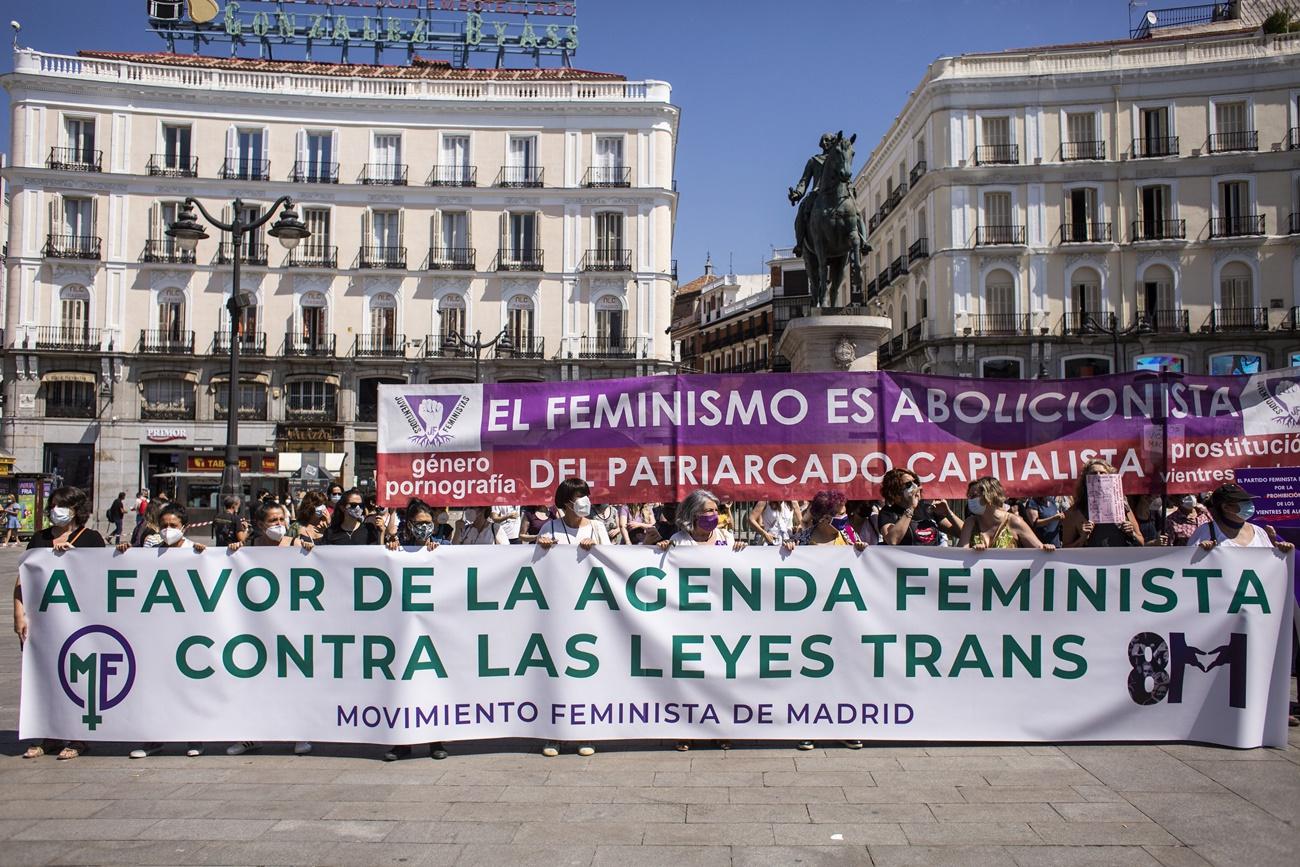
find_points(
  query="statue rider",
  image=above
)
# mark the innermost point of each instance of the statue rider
(812, 172)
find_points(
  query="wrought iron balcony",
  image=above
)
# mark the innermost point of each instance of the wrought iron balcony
(1241, 225)
(527, 260)
(75, 160)
(67, 338)
(916, 334)
(379, 346)
(873, 223)
(309, 255)
(313, 172)
(607, 260)
(257, 412)
(994, 235)
(319, 411)
(1086, 233)
(612, 347)
(1292, 322)
(250, 254)
(1293, 224)
(384, 174)
(70, 403)
(897, 268)
(167, 412)
(919, 250)
(246, 170)
(895, 197)
(608, 176)
(519, 176)
(1159, 230)
(1083, 150)
(166, 342)
(252, 343)
(884, 353)
(172, 166)
(1162, 321)
(999, 325)
(522, 347)
(71, 247)
(393, 258)
(1083, 322)
(997, 154)
(316, 345)
(166, 250)
(883, 279)
(872, 289)
(1238, 319)
(917, 172)
(444, 346)
(1148, 147)
(453, 176)
(450, 259)
(1239, 140)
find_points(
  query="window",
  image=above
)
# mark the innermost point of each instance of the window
(1000, 368)
(368, 398)
(385, 238)
(1235, 290)
(607, 162)
(68, 399)
(1085, 366)
(519, 322)
(253, 240)
(1234, 200)
(1170, 363)
(163, 247)
(996, 145)
(1081, 140)
(1232, 130)
(250, 154)
(522, 237)
(176, 147)
(609, 235)
(1154, 124)
(453, 235)
(1236, 364)
(383, 320)
(1156, 296)
(1230, 117)
(251, 397)
(386, 159)
(999, 303)
(1085, 294)
(521, 162)
(74, 302)
(318, 161)
(453, 168)
(311, 398)
(171, 314)
(168, 398)
(317, 249)
(997, 209)
(451, 316)
(1156, 213)
(80, 135)
(996, 130)
(1081, 216)
(609, 322)
(78, 217)
(315, 319)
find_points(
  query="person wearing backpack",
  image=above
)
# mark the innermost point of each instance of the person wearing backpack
(116, 512)
(141, 507)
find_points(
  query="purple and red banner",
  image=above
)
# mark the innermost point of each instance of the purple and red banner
(782, 436)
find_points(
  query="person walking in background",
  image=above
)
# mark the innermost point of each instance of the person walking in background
(13, 521)
(141, 506)
(116, 512)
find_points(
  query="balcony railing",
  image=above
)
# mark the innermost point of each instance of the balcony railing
(607, 260)
(993, 235)
(917, 172)
(443, 346)
(379, 346)
(883, 279)
(327, 412)
(873, 223)
(1162, 321)
(1083, 322)
(999, 325)
(313, 256)
(1239, 319)
(166, 412)
(1293, 224)
(1149, 147)
(997, 154)
(1086, 233)
(897, 268)
(611, 347)
(916, 334)
(166, 250)
(71, 247)
(312, 172)
(246, 413)
(872, 289)
(529, 260)
(1240, 140)
(1236, 227)
(919, 250)
(246, 170)
(166, 342)
(250, 254)
(1159, 230)
(303, 346)
(253, 343)
(522, 347)
(519, 176)
(393, 258)
(453, 176)
(450, 259)
(75, 160)
(884, 353)
(895, 197)
(67, 338)
(71, 406)
(172, 166)
(1083, 150)
(384, 174)
(608, 176)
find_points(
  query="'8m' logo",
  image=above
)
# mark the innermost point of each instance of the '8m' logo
(96, 671)
(1159, 666)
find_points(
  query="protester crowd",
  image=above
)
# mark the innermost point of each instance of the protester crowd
(988, 518)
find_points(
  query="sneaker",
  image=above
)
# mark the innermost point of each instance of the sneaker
(805, 745)
(551, 749)
(853, 745)
(302, 748)
(194, 750)
(397, 753)
(586, 750)
(146, 751)
(437, 751)
(683, 746)
(243, 747)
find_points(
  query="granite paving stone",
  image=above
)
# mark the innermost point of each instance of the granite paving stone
(804, 856)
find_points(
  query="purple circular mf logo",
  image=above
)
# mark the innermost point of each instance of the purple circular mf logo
(96, 671)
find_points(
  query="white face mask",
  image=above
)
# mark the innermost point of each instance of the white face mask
(1188, 503)
(582, 506)
(61, 516)
(275, 532)
(172, 535)
(975, 506)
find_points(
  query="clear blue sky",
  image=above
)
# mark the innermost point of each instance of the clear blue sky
(756, 81)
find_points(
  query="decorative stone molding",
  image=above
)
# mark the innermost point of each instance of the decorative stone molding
(1223, 254)
(307, 282)
(844, 354)
(65, 272)
(163, 279)
(374, 284)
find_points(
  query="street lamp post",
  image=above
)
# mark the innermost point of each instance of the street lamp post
(187, 231)
(1091, 325)
(477, 345)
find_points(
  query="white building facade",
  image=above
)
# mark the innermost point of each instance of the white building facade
(538, 204)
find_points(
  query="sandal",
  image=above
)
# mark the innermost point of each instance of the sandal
(73, 750)
(34, 752)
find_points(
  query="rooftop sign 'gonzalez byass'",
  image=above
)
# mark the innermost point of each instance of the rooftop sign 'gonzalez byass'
(456, 26)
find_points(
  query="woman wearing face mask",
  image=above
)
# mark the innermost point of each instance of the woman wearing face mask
(349, 524)
(1231, 509)
(477, 528)
(313, 518)
(1183, 521)
(332, 496)
(776, 520)
(1077, 531)
(990, 524)
(575, 527)
(697, 524)
(906, 519)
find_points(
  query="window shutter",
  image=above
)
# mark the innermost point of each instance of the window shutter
(266, 150)
(232, 146)
(435, 231)
(504, 247)
(537, 235)
(54, 214)
(93, 225)
(401, 227)
(300, 147)
(366, 239)
(155, 222)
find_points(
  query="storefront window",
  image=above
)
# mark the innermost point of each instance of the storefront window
(1086, 366)
(1242, 364)
(312, 399)
(1000, 368)
(252, 401)
(1171, 363)
(1294, 360)
(168, 399)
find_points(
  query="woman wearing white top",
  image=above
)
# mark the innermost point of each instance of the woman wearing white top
(1231, 509)
(697, 524)
(477, 528)
(776, 520)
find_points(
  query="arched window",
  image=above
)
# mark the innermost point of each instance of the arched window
(171, 314)
(311, 399)
(1156, 299)
(170, 397)
(451, 318)
(383, 321)
(999, 303)
(1236, 291)
(314, 336)
(74, 318)
(922, 304)
(519, 323)
(903, 310)
(610, 327)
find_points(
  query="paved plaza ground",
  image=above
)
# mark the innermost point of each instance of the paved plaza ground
(500, 803)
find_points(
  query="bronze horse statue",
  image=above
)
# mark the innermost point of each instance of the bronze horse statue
(834, 232)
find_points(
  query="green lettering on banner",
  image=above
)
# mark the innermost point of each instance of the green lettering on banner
(299, 594)
(1125, 587)
(809, 650)
(424, 657)
(947, 589)
(916, 659)
(208, 601)
(526, 589)
(162, 592)
(596, 589)
(730, 656)
(1076, 585)
(904, 589)
(661, 598)
(1150, 586)
(1203, 577)
(574, 648)
(844, 589)
(685, 589)
(410, 588)
(877, 643)
(381, 661)
(484, 669)
(114, 591)
(970, 655)
(1032, 662)
(536, 655)
(1249, 581)
(303, 660)
(59, 592)
(471, 591)
(338, 642)
(809, 586)
(272, 589)
(993, 587)
(733, 586)
(359, 576)
(182, 657)
(1059, 647)
(768, 654)
(639, 670)
(681, 656)
(259, 656)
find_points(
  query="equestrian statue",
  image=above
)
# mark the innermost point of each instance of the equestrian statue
(828, 230)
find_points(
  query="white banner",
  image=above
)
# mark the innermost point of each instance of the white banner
(366, 645)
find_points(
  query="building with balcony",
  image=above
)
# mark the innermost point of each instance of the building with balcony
(1067, 210)
(536, 203)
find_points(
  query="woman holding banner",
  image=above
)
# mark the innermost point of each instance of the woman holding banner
(1231, 509)
(477, 528)
(1080, 530)
(906, 519)
(698, 524)
(990, 524)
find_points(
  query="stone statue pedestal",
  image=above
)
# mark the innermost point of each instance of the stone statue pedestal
(828, 342)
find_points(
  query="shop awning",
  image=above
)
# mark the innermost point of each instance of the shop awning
(215, 475)
(68, 376)
(186, 375)
(223, 378)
